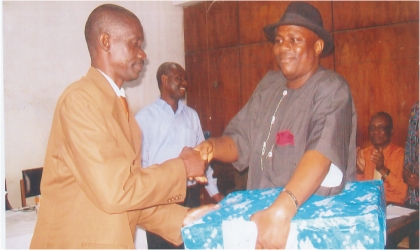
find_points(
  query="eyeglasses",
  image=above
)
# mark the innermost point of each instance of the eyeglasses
(379, 128)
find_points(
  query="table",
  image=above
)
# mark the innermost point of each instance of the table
(19, 228)
(401, 227)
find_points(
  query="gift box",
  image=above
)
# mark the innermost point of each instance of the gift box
(355, 218)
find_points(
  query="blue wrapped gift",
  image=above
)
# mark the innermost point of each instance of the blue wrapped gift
(355, 218)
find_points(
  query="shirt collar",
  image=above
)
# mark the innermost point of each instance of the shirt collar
(164, 105)
(118, 91)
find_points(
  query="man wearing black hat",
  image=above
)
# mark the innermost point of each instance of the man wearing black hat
(298, 129)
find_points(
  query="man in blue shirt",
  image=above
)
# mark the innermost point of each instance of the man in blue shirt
(167, 126)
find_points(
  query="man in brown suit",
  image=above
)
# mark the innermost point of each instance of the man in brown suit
(94, 191)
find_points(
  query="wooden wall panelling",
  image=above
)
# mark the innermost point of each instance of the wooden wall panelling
(195, 30)
(196, 66)
(256, 60)
(376, 50)
(381, 66)
(328, 62)
(224, 80)
(325, 8)
(361, 14)
(254, 15)
(222, 24)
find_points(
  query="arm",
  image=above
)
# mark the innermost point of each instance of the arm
(311, 170)
(104, 164)
(397, 184)
(329, 137)
(235, 145)
(165, 221)
(394, 182)
(360, 162)
(222, 149)
(211, 186)
(411, 179)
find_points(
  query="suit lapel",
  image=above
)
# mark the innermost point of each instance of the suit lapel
(115, 106)
(135, 133)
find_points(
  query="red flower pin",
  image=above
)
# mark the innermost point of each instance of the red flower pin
(284, 138)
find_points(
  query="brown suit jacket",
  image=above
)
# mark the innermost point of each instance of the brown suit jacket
(94, 190)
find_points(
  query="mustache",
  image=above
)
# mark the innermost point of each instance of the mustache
(285, 55)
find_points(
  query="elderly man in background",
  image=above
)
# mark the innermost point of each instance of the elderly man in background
(94, 191)
(383, 160)
(298, 130)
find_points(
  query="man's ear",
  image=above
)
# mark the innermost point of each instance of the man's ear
(164, 79)
(104, 41)
(319, 46)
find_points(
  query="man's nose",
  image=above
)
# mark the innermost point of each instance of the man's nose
(281, 47)
(142, 54)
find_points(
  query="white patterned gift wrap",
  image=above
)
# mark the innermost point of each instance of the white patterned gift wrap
(355, 218)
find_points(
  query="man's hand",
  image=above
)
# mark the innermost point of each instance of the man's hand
(411, 179)
(198, 212)
(201, 179)
(377, 158)
(273, 229)
(273, 223)
(203, 148)
(221, 148)
(206, 150)
(360, 161)
(194, 164)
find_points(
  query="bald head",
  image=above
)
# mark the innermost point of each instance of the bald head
(386, 116)
(108, 18)
(165, 69)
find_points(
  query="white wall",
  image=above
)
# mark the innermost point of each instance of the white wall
(44, 51)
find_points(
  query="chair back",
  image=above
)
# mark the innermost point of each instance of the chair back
(6, 202)
(30, 185)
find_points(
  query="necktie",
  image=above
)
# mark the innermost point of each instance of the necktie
(124, 104)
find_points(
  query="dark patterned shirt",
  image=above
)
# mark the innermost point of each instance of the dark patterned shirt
(411, 158)
(320, 115)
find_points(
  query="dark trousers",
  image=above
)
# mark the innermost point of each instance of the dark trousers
(192, 199)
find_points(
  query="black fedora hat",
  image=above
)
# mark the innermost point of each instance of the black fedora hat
(305, 15)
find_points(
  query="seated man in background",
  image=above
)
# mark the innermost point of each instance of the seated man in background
(168, 125)
(411, 158)
(383, 160)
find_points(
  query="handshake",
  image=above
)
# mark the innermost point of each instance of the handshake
(196, 161)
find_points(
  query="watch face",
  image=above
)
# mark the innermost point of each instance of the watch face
(386, 175)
